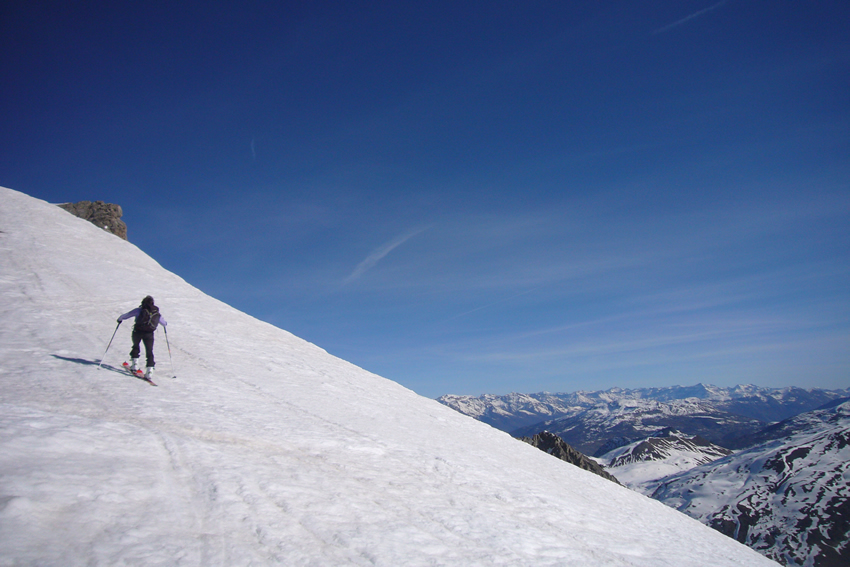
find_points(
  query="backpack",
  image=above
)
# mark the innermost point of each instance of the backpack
(147, 320)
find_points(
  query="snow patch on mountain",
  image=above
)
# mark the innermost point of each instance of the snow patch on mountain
(639, 465)
(788, 498)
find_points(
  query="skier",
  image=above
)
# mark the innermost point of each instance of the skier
(147, 318)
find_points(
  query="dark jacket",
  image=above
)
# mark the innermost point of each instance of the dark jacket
(138, 311)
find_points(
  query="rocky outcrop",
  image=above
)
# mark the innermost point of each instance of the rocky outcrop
(105, 215)
(557, 447)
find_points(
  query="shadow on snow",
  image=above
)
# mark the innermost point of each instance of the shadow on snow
(97, 363)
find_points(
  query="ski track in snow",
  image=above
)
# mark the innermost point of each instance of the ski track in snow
(265, 449)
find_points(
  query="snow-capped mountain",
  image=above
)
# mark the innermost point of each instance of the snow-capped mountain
(726, 416)
(641, 464)
(513, 411)
(265, 449)
(787, 427)
(599, 429)
(788, 498)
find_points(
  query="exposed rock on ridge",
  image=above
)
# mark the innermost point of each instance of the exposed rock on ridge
(640, 465)
(104, 215)
(557, 447)
(667, 441)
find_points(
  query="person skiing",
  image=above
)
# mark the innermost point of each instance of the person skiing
(147, 318)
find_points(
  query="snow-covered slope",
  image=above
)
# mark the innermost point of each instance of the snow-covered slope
(639, 464)
(789, 498)
(265, 449)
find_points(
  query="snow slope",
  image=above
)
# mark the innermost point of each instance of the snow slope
(265, 449)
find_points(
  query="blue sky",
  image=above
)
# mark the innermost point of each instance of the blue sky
(469, 197)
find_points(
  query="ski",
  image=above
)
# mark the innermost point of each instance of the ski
(138, 374)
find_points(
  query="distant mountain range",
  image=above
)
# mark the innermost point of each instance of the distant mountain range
(785, 492)
(597, 422)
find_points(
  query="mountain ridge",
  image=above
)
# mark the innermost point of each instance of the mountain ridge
(592, 421)
(787, 497)
(549, 405)
(641, 464)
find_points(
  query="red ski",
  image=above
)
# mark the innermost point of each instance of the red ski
(138, 374)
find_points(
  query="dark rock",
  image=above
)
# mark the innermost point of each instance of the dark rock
(668, 443)
(557, 447)
(104, 215)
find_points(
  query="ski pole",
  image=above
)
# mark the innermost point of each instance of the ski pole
(109, 345)
(170, 360)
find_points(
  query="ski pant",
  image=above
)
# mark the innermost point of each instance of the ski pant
(147, 338)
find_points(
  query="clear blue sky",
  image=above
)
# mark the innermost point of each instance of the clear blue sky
(469, 197)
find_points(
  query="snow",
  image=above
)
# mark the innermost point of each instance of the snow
(787, 497)
(265, 449)
(643, 475)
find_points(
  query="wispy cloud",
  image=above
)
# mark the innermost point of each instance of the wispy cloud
(379, 253)
(689, 18)
(491, 304)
